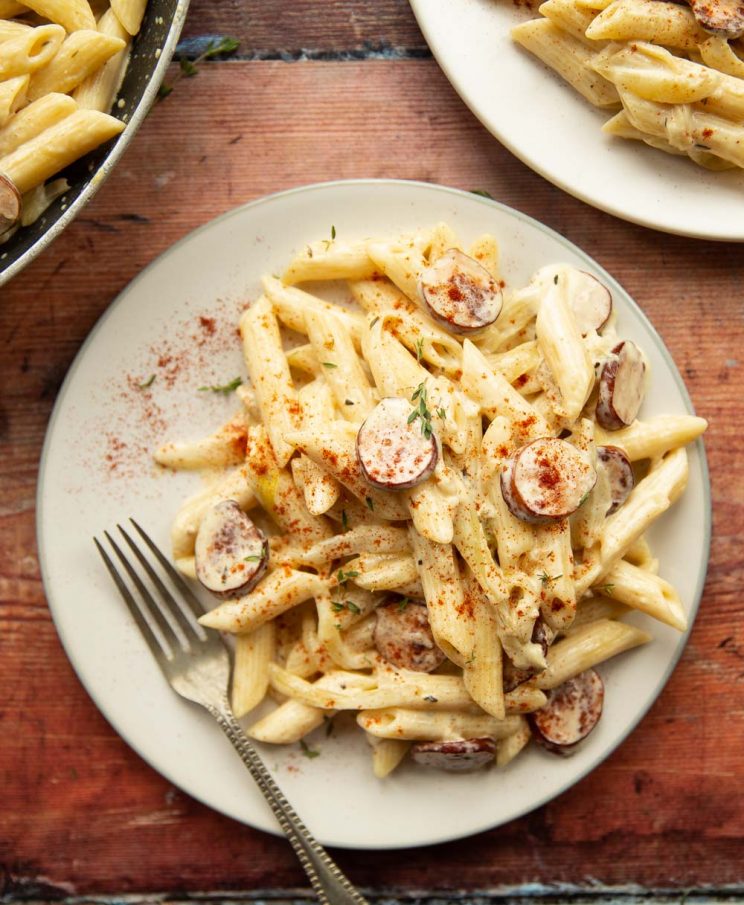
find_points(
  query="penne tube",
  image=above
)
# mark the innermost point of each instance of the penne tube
(129, 13)
(72, 15)
(12, 98)
(418, 725)
(654, 436)
(590, 609)
(432, 512)
(278, 592)
(98, 91)
(485, 250)
(10, 8)
(383, 571)
(387, 754)
(379, 539)
(33, 119)
(291, 304)
(29, 50)
(645, 20)
(511, 746)
(56, 147)
(482, 670)
(82, 53)
(250, 676)
(644, 591)
(320, 490)
(269, 372)
(586, 647)
(330, 259)
(221, 449)
(402, 260)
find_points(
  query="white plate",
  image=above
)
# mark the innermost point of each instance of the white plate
(557, 133)
(213, 272)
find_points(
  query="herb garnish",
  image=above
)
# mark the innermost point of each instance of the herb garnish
(403, 603)
(555, 279)
(348, 402)
(546, 579)
(370, 503)
(442, 413)
(482, 192)
(605, 588)
(328, 364)
(225, 389)
(307, 750)
(253, 558)
(430, 698)
(419, 348)
(374, 321)
(189, 68)
(146, 383)
(342, 577)
(333, 231)
(422, 411)
(344, 520)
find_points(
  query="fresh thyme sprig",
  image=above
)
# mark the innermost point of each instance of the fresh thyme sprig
(421, 411)
(225, 389)
(546, 579)
(189, 68)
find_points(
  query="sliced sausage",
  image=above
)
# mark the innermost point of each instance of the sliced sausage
(10, 205)
(396, 451)
(231, 553)
(590, 302)
(620, 473)
(460, 293)
(404, 637)
(547, 479)
(459, 756)
(572, 711)
(621, 387)
(720, 17)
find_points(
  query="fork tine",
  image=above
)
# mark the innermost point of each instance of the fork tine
(165, 624)
(188, 627)
(152, 641)
(191, 599)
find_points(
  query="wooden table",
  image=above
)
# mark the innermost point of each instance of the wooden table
(319, 91)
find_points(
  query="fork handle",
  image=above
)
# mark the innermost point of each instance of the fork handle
(330, 884)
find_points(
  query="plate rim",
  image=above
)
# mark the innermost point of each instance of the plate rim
(502, 136)
(698, 444)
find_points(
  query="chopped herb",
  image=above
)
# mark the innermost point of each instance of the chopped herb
(225, 389)
(189, 68)
(403, 604)
(328, 726)
(471, 660)
(338, 626)
(344, 520)
(430, 698)
(419, 348)
(555, 279)
(370, 503)
(546, 579)
(328, 364)
(584, 498)
(442, 413)
(307, 751)
(352, 608)
(422, 411)
(482, 193)
(254, 558)
(309, 252)
(333, 232)
(605, 588)
(147, 383)
(337, 607)
(348, 402)
(373, 321)
(342, 577)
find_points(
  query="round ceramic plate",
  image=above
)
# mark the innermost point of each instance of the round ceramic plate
(177, 321)
(558, 134)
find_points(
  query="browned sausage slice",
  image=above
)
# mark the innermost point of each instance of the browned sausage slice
(620, 472)
(621, 387)
(720, 17)
(10, 204)
(571, 713)
(404, 637)
(590, 302)
(460, 293)
(396, 451)
(547, 479)
(231, 554)
(459, 756)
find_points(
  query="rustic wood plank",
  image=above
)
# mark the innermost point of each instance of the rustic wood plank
(335, 28)
(81, 813)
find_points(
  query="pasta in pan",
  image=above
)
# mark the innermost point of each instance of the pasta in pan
(61, 66)
(435, 516)
(672, 78)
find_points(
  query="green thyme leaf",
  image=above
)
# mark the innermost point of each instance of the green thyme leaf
(147, 383)
(419, 348)
(482, 193)
(403, 603)
(328, 364)
(546, 579)
(337, 607)
(373, 322)
(370, 503)
(225, 389)
(605, 589)
(333, 232)
(253, 558)
(344, 520)
(307, 751)
(224, 45)
(352, 607)
(187, 67)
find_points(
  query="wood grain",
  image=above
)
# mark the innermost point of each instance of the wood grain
(81, 814)
(333, 28)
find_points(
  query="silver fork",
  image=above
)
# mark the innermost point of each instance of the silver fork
(196, 663)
